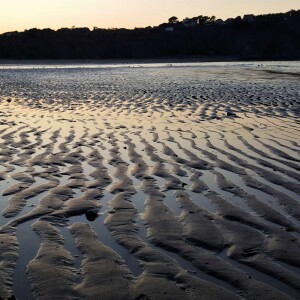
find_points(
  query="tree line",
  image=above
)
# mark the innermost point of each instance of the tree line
(272, 36)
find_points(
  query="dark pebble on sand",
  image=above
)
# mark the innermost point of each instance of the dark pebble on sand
(91, 215)
(231, 114)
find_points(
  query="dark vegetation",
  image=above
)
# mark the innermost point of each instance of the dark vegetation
(273, 36)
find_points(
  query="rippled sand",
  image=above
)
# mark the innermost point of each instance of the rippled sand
(149, 183)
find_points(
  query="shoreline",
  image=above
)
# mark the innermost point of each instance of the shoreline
(214, 59)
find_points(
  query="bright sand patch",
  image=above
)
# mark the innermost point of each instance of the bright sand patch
(148, 184)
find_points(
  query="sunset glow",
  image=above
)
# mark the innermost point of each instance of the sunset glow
(20, 14)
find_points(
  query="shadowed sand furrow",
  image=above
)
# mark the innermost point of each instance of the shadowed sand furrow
(124, 183)
(279, 153)
(284, 142)
(235, 154)
(283, 168)
(256, 205)
(291, 173)
(191, 160)
(284, 146)
(268, 175)
(153, 164)
(216, 159)
(162, 169)
(17, 201)
(253, 135)
(261, 194)
(288, 203)
(273, 126)
(140, 167)
(50, 204)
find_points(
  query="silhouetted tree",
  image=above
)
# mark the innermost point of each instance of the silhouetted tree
(272, 36)
(203, 19)
(173, 20)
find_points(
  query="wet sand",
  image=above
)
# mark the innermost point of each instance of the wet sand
(149, 183)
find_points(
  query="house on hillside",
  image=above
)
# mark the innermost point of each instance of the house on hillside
(187, 22)
(169, 29)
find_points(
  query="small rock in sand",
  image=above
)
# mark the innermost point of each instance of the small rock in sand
(91, 215)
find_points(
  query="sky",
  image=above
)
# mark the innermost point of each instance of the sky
(25, 14)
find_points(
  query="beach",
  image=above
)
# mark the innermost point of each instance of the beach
(150, 181)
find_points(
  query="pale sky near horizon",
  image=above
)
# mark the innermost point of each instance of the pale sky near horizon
(25, 14)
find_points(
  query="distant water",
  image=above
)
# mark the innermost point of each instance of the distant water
(226, 71)
(276, 66)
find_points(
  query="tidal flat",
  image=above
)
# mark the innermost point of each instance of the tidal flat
(150, 181)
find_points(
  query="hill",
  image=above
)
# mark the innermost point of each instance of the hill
(273, 36)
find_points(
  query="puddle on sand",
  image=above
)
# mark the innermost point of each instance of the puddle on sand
(260, 195)
(171, 202)
(4, 200)
(201, 201)
(138, 200)
(29, 244)
(69, 245)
